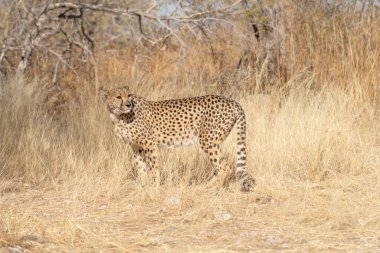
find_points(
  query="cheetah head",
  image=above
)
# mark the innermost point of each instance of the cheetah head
(119, 100)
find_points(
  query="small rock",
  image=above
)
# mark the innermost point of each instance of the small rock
(11, 250)
(248, 234)
(33, 238)
(172, 229)
(5, 250)
(223, 215)
(226, 216)
(173, 201)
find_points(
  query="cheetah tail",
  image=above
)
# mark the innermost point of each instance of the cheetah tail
(241, 172)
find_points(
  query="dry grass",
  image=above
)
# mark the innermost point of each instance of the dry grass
(67, 183)
(70, 183)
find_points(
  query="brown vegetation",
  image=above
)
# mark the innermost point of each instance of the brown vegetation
(67, 183)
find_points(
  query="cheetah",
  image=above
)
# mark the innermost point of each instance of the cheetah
(148, 125)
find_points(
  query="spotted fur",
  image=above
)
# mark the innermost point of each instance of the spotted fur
(147, 125)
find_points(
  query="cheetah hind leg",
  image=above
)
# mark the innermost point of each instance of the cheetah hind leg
(222, 172)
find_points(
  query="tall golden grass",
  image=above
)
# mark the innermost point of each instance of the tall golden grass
(67, 183)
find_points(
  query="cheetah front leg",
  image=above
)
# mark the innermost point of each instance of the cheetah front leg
(146, 162)
(142, 166)
(151, 158)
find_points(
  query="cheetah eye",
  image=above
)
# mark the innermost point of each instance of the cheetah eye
(118, 97)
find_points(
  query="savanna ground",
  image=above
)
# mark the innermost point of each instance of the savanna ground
(67, 183)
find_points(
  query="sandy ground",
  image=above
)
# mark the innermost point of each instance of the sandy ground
(192, 219)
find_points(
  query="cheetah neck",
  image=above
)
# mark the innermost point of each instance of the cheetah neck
(127, 117)
(114, 118)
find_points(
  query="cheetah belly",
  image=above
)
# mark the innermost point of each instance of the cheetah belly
(174, 142)
(189, 141)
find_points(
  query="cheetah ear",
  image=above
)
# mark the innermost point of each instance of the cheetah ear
(103, 93)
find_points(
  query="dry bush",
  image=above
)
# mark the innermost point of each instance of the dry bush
(337, 46)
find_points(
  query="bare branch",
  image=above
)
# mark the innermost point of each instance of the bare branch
(55, 77)
(154, 5)
(38, 27)
(60, 58)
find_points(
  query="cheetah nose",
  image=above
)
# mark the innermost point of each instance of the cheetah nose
(128, 104)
